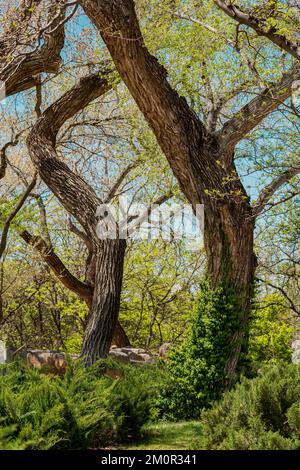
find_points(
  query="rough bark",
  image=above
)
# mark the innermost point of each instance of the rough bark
(202, 161)
(231, 264)
(18, 70)
(106, 299)
(80, 200)
(84, 290)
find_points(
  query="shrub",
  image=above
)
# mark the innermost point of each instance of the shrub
(270, 332)
(262, 413)
(197, 367)
(81, 410)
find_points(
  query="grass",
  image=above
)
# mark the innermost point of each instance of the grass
(168, 436)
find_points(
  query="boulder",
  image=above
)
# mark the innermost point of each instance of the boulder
(128, 349)
(119, 355)
(296, 351)
(54, 362)
(164, 350)
(147, 358)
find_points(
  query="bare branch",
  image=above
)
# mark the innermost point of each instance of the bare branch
(271, 188)
(136, 221)
(43, 217)
(3, 156)
(20, 72)
(112, 192)
(75, 194)
(80, 233)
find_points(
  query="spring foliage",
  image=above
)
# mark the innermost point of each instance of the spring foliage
(197, 368)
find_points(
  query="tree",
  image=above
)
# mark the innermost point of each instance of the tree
(200, 147)
(266, 21)
(160, 282)
(26, 52)
(201, 157)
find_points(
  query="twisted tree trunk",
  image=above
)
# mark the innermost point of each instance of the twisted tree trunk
(81, 201)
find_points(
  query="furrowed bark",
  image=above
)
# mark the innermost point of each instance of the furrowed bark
(80, 200)
(106, 299)
(202, 161)
(83, 290)
(19, 73)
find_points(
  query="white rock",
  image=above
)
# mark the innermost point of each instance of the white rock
(3, 353)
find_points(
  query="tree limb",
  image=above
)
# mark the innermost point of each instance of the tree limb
(13, 214)
(75, 194)
(175, 125)
(260, 26)
(254, 112)
(84, 291)
(3, 157)
(80, 233)
(112, 192)
(20, 72)
(267, 193)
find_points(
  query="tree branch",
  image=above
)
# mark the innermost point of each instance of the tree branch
(84, 291)
(112, 192)
(80, 233)
(267, 193)
(3, 156)
(20, 72)
(138, 220)
(175, 125)
(261, 27)
(75, 194)
(254, 112)
(13, 214)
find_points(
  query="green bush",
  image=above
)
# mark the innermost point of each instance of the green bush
(262, 413)
(270, 332)
(197, 368)
(81, 410)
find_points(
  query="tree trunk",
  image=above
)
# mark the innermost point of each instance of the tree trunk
(120, 337)
(228, 238)
(81, 201)
(106, 300)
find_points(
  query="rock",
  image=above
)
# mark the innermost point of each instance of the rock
(133, 356)
(137, 363)
(147, 358)
(118, 355)
(3, 352)
(54, 362)
(131, 349)
(164, 350)
(296, 351)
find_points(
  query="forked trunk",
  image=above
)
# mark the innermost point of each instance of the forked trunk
(106, 300)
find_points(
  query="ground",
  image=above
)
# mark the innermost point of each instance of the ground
(168, 436)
